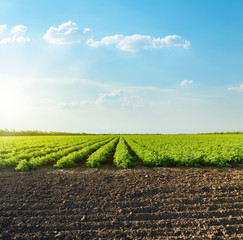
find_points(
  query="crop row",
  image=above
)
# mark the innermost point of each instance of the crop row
(72, 159)
(148, 157)
(102, 154)
(123, 157)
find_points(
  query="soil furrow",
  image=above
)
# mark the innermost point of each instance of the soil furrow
(72, 208)
(163, 203)
(143, 233)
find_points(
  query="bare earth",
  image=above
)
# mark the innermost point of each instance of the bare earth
(142, 203)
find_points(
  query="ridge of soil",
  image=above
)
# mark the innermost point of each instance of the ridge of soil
(108, 203)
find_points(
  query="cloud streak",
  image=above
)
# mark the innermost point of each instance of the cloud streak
(114, 95)
(116, 99)
(238, 89)
(151, 88)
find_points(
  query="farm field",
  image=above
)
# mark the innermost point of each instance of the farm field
(138, 203)
(104, 187)
(122, 151)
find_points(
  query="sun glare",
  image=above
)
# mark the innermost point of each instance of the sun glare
(10, 99)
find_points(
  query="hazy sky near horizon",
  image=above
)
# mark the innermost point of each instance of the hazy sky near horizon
(121, 66)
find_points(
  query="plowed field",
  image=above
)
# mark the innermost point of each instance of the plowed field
(142, 203)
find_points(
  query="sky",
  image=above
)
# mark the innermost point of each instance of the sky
(121, 66)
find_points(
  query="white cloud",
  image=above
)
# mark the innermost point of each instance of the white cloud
(70, 33)
(67, 33)
(186, 82)
(130, 97)
(15, 35)
(3, 28)
(15, 39)
(137, 42)
(116, 99)
(106, 41)
(115, 94)
(18, 29)
(171, 41)
(108, 96)
(239, 89)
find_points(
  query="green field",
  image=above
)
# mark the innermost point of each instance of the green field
(125, 151)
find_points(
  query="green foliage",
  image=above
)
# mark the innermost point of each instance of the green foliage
(188, 150)
(24, 165)
(39, 151)
(67, 162)
(148, 157)
(73, 158)
(122, 157)
(217, 150)
(102, 154)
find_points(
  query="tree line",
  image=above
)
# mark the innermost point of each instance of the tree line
(6, 132)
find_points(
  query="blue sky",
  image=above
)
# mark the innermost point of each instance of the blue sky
(121, 66)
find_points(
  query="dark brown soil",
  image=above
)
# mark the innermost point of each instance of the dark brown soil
(159, 203)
